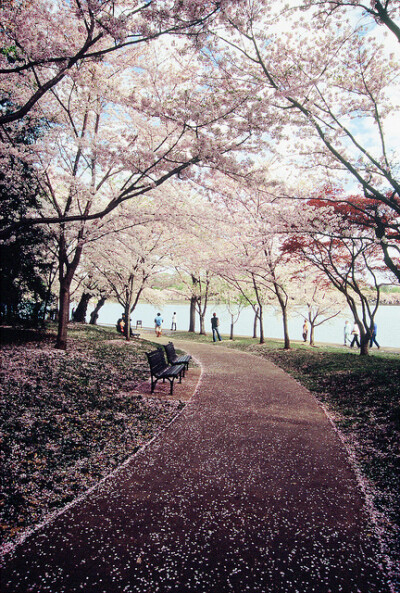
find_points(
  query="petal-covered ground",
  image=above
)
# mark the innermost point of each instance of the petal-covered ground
(68, 419)
(249, 489)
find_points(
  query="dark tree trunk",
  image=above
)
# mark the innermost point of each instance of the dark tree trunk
(81, 310)
(283, 304)
(364, 343)
(95, 313)
(192, 318)
(128, 307)
(256, 314)
(261, 324)
(63, 315)
(66, 273)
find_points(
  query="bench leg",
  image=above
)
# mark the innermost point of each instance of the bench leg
(171, 389)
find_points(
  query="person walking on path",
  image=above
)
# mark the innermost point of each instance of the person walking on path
(158, 324)
(173, 322)
(355, 332)
(373, 337)
(347, 333)
(214, 326)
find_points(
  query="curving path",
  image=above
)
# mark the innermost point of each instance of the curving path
(249, 490)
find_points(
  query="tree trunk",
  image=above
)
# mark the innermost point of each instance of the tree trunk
(312, 334)
(260, 310)
(127, 326)
(192, 318)
(95, 313)
(283, 304)
(364, 343)
(80, 314)
(256, 313)
(261, 324)
(127, 308)
(232, 324)
(63, 315)
(286, 329)
(202, 326)
(66, 273)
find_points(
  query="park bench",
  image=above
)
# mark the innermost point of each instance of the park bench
(173, 358)
(159, 369)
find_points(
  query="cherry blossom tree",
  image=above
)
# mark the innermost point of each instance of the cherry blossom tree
(275, 276)
(42, 43)
(193, 255)
(247, 285)
(332, 87)
(318, 297)
(255, 257)
(104, 148)
(349, 259)
(198, 285)
(234, 302)
(383, 13)
(252, 298)
(87, 285)
(159, 84)
(128, 261)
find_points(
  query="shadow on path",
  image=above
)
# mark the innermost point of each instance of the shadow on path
(249, 490)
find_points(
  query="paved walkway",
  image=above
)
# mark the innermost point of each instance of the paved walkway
(249, 490)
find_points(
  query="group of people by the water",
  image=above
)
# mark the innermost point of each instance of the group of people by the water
(158, 325)
(158, 321)
(351, 332)
(122, 326)
(352, 335)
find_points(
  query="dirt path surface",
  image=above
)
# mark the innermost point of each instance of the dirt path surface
(248, 490)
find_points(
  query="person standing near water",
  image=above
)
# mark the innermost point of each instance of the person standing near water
(173, 322)
(305, 330)
(214, 327)
(158, 324)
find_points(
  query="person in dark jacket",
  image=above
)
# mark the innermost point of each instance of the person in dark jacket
(214, 327)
